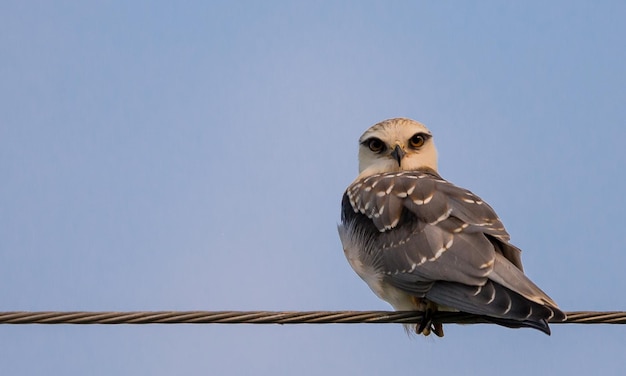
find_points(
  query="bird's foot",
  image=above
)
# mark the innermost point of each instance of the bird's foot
(427, 326)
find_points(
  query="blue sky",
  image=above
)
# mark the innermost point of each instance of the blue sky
(193, 156)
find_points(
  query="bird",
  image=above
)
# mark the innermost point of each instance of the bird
(424, 244)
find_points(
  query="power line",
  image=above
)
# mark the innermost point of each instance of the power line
(275, 317)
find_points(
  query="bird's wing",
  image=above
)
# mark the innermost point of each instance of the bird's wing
(430, 235)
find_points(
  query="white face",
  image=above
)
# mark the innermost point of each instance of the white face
(396, 145)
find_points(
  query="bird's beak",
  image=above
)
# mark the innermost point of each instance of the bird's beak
(398, 154)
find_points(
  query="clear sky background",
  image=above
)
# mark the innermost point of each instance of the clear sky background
(193, 156)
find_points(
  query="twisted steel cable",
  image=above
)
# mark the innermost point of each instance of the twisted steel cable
(275, 317)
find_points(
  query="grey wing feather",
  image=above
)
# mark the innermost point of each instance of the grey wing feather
(510, 308)
(443, 242)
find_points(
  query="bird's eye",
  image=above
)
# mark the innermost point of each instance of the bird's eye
(417, 140)
(376, 145)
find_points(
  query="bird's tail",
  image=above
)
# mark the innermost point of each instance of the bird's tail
(541, 325)
(497, 304)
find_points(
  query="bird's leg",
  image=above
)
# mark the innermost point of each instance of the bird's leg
(426, 326)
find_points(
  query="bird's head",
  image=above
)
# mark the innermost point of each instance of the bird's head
(398, 144)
